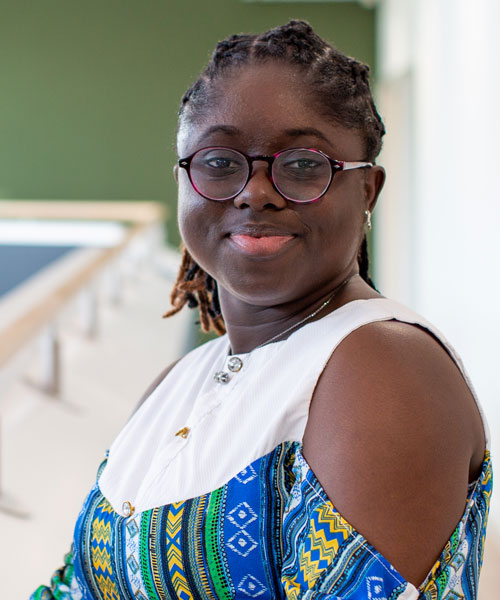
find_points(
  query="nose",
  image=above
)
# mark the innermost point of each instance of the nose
(259, 192)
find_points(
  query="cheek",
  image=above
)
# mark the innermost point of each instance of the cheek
(340, 216)
(191, 230)
(196, 218)
(338, 229)
(351, 206)
(186, 216)
(190, 206)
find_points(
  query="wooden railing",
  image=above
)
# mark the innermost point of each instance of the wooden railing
(40, 317)
(132, 212)
(139, 215)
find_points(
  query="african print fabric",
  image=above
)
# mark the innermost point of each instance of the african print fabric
(270, 532)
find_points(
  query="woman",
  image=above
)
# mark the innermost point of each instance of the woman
(330, 445)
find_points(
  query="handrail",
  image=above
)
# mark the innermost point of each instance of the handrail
(140, 214)
(133, 211)
(18, 330)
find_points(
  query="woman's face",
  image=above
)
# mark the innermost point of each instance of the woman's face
(310, 248)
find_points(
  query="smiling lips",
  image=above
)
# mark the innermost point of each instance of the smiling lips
(260, 245)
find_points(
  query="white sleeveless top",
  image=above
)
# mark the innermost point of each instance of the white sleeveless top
(230, 425)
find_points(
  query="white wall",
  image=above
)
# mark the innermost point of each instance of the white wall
(437, 224)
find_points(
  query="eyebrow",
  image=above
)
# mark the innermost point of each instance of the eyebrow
(306, 131)
(294, 133)
(227, 129)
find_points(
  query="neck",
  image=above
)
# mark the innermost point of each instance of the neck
(249, 325)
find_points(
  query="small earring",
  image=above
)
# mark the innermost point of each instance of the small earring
(368, 219)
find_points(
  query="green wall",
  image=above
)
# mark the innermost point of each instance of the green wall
(89, 88)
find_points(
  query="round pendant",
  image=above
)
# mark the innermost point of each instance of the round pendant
(128, 509)
(222, 377)
(234, 364)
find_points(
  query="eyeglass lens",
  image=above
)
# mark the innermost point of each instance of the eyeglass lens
(299, 174)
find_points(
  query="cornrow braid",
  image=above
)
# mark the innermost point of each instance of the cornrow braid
(340, 84)
(340, 88)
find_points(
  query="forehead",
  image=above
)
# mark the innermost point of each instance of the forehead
(264, 108)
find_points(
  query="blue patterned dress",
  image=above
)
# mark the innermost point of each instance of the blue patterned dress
(269, 532)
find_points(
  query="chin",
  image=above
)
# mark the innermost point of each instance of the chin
(258, 293)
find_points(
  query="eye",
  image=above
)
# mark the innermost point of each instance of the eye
(302, 164)
(301, 168)
(220, 162)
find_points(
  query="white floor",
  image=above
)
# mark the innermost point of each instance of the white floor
(51, 447)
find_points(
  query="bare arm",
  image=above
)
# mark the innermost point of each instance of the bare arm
(394, 437)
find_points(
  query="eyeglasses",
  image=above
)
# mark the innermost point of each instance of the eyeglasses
(299, 174)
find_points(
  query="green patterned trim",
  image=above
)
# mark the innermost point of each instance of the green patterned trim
(213, 546)
(144, 551)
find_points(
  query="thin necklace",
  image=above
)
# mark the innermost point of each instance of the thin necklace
(235, 363)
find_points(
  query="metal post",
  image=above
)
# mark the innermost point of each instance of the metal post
(50, 361)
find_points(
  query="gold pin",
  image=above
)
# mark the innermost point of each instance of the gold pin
(183, 433)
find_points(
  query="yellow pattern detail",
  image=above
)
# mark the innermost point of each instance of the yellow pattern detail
(101, 531)
(323, 542)
(108, 588)
(101, 559)
(292, 590)
(174, 553)
(486, 479)
(105, 506)
(320, 547)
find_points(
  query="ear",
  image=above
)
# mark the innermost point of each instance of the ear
(374, 182)
(176, 173)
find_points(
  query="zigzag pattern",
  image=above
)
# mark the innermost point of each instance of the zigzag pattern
(177, 551)
(327, 531)
(105, 507)
(107, 588)
(101, 560)
(101, 531)
(174, 551)
(100, 551)
(292, 589)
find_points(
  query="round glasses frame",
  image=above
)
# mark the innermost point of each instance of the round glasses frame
(335, 167)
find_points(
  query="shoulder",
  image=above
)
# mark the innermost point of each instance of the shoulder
(392, 425)
(400, 374)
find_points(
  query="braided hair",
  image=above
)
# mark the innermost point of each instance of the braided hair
(341, 89)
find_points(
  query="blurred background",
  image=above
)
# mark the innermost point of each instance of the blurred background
(88, 237)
